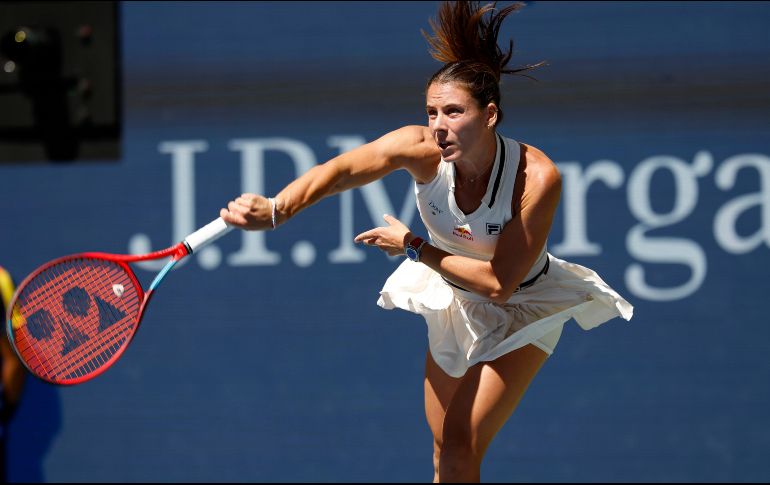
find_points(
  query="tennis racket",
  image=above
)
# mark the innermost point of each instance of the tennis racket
(73, 317)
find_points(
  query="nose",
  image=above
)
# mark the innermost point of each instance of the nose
(438, 124)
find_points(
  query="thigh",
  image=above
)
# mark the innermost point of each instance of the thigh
(439, 389)
(487, 395)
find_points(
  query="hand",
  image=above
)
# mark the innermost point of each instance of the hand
(391, 239)
(250, 212)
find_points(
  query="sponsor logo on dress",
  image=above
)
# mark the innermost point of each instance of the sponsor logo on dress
(494, 229)
(435, 208)
(463, 231)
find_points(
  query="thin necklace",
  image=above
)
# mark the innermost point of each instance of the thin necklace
(473, 179)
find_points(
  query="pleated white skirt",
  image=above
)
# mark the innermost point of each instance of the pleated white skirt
(465, 328)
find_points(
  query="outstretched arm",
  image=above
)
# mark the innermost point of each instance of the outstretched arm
(410, 148)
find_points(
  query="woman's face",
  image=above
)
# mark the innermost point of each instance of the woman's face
(456, 120)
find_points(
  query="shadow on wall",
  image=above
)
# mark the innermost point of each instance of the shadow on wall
(32, 431)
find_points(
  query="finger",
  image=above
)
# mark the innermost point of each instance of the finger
(371, 241)
(393, 221)
(244, 202)
(236, 208)
(231, 218)
(371, 233)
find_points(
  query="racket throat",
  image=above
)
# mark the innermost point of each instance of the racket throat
(162, 274)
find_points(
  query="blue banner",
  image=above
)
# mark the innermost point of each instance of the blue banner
(265, 357)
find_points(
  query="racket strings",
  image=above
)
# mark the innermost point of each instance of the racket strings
(75, 302)
(74, 316)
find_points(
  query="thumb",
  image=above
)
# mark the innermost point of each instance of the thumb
(389, 219)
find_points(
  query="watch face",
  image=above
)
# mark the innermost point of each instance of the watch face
(411, 253)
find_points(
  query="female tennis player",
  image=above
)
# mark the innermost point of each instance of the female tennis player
(494, 299)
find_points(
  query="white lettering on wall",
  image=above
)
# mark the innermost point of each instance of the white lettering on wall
(377, 203)
(726, 218)
(182, 198)
(644, 242)
(346, 252)
(253, 248)
(665, 250)
(576, 182)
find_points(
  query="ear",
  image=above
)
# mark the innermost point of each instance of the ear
(491, 115)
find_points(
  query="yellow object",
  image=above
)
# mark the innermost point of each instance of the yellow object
(6, 293)
(6, 287)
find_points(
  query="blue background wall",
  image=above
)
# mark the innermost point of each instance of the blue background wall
(266, 358)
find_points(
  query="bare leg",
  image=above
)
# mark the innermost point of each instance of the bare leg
(474, 408)
(439, 389)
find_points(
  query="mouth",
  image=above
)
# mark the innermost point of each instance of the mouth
(443, 145)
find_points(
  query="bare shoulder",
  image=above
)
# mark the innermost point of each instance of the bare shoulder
(540, 185)
(541, 172)
(413, 135)
(413, 148)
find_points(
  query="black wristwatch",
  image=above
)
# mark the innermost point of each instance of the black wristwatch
(413, 249)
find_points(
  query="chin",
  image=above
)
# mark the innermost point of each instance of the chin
(452, 156)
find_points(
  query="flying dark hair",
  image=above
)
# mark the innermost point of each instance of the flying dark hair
(465, 40)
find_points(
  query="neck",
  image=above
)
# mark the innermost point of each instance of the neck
(475, 169)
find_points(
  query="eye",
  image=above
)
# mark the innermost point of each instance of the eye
(431, 113)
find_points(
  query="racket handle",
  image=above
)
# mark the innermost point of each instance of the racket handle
(207, 234)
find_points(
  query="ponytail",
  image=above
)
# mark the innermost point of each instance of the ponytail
(465, 40)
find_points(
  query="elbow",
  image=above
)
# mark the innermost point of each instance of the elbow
(496, 288)
(498, 294)
(499, 297)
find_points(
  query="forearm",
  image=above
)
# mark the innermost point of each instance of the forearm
(471, 274)
(347, 171)
(496, 279)
(319, 182)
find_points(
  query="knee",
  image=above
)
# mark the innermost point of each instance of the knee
(457, 461)
(436, 457)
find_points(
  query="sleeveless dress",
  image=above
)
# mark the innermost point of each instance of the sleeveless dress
(465, 328)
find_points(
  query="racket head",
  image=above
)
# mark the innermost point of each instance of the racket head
(73, 317)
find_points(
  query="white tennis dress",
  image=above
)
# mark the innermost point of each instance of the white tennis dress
(465, 328)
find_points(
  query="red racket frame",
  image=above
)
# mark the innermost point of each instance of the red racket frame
(176, 252)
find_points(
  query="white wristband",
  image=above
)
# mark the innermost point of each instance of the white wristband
(272, 210)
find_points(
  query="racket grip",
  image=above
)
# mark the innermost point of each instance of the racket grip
(207, 234)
